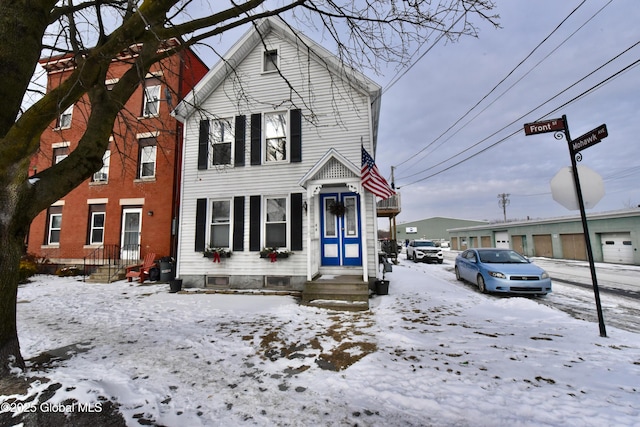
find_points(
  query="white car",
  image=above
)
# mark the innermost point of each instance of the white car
(424, 250)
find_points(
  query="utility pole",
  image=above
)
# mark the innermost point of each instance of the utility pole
(503, 201)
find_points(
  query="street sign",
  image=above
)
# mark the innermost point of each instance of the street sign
(588, 139)
(552, 125)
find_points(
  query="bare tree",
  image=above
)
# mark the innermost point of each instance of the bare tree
(366, 35)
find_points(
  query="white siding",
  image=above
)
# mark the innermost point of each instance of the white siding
(341, 118)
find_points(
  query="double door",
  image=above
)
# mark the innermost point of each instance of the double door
(340, 230)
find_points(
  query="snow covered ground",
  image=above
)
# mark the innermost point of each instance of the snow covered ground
(432, 352)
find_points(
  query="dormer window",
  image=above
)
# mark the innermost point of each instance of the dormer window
(270, 61)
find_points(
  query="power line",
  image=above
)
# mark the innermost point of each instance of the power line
(499, 83)
(504, 92)
(583, 94)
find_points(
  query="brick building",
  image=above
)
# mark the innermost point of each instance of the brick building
(128, 208)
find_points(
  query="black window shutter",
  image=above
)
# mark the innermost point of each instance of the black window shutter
(238, 223)
(254, 223)
(203, 145)
(296, 135)
(296, 222)
(240, 131)
(201, 224)
(256, 139)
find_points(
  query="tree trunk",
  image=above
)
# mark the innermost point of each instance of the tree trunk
(10, 254)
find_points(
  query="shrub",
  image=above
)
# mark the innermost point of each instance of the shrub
(67, 271)
(28, 268)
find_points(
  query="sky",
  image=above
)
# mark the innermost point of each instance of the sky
(450, 79)
(434, 351)
(451, 126)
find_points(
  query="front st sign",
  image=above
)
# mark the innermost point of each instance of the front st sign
(553, 125)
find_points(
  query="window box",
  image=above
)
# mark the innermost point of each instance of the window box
(274, 253)
(217, 254)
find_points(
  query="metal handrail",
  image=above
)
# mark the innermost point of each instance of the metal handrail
(113, 256)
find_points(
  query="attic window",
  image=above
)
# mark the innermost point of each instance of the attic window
(270, 61)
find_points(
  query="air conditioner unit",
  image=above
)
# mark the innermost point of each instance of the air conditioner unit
(100, 176)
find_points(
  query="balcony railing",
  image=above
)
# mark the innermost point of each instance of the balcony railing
(389, 207)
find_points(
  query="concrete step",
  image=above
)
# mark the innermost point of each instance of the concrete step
(101, 275)
(345, 293)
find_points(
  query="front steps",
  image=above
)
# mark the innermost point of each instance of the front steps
(101, 275)
(343, 293)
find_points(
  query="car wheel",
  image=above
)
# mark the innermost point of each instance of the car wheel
(440, 261)
(414, 258)
(458, 277)
(481, 285)
(408, 255)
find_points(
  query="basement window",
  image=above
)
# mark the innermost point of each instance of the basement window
(215, 281)
(277, 281)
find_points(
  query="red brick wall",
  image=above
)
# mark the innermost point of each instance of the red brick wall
(160, 194)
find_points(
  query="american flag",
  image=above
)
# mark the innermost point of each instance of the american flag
(371, 178)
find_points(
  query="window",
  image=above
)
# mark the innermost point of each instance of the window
(64, 120)
(103, 174)
(151, 102)
(270, 60)
(276, 222)
(147, 158)
(97, 216)
(275, 135)
(220, 224)
(221, 141)
(59, 154)
(54, 225)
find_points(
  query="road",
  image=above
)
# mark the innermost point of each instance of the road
(619, 288)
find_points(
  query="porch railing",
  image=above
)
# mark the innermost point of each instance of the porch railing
(115, 257)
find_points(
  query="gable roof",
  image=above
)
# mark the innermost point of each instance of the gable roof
(332, 164)
(252, 39)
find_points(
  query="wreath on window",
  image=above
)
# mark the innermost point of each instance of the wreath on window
(337, 209)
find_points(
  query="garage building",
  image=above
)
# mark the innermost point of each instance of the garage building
(614, 237)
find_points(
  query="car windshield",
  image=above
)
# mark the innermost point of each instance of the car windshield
(425, 244)
(502, 257)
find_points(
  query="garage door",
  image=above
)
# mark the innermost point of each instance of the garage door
(485, 241)
(502, 239)
(617, 248)
(574, 246)
(542, 245)
(519, 243)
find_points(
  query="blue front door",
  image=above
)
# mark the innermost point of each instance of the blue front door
(340, 235)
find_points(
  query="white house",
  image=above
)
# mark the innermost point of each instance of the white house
(273, 139)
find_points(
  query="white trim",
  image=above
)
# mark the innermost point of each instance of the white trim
(103, 201)
(61, 144)
(147, 135)
(58, 203)
(153, 74)
(331, 153)
(287, 137)
(125, 202)
(287, 220)
(210, 223)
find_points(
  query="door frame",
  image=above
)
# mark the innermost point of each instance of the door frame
(343, 244)
(126, 253)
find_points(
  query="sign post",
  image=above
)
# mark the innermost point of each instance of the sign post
(582, 142)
